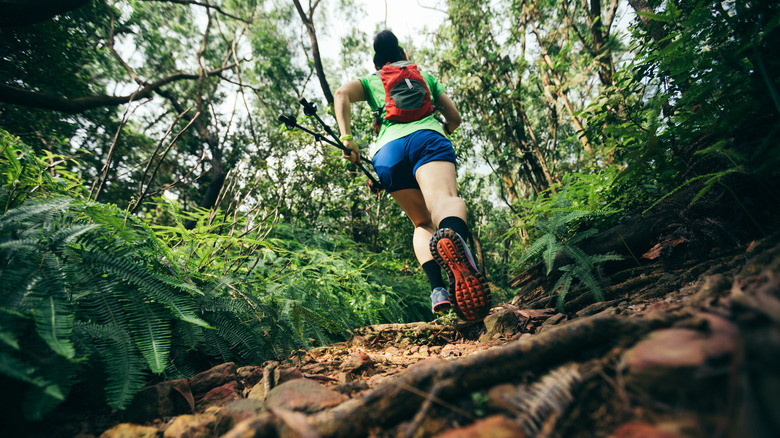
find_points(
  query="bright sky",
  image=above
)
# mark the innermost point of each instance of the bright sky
(406, 18)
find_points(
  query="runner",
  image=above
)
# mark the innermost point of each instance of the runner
(415, 162)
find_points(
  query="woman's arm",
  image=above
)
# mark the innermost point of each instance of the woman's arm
(448, 110)
(346, 94)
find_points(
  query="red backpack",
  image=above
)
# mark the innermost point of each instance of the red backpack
(407, 98)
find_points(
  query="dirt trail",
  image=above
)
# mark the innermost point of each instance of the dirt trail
(685, 352)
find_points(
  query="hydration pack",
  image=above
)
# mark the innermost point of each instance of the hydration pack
(407, 98)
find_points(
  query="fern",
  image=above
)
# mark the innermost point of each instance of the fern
(54, 323)
(550, 246)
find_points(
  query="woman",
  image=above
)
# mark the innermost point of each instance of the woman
(415, 162)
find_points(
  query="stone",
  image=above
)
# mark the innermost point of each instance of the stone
(303, 395)
(250, 374)
(285, 374)
(220, 395)
(357, 361)
(667, 360)
(450, 350)
(191, 426)
(129, 430)
(260, 425)
(217, 376)
(258, 391)
(164, 399)
(235, 412)
(496, 426)
(503, 322)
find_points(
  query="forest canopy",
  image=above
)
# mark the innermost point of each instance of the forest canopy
(157, 217)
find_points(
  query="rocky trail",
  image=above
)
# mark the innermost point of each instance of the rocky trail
(685, 352)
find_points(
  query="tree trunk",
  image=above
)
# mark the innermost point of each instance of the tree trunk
(308, 21)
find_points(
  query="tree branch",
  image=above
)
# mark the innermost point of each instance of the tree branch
(205, 5)
(308, 22)
(34, 99)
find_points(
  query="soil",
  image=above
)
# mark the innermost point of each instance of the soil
(683, 349)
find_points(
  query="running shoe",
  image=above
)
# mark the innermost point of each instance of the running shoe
(472, 296)
(440, 300)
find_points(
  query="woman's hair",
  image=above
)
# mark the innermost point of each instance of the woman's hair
(386, 49)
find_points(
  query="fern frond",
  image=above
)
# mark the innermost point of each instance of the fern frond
(550, 251)
(150, 333)
(40, 401)
(19, 370)
(124, 267)
(587, 278)
(35, 209)
(562, 287)
(535, 248)
(124, 365)
(579, 237)
(579, 256)
(601, 258)
(54, 323)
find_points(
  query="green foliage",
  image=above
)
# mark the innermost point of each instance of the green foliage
(559, 236)
(696, 103)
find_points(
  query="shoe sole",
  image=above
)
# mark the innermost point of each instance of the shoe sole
(472, 297)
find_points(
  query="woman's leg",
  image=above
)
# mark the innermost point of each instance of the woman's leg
(413, 204)
(437, 180)
(438, 185)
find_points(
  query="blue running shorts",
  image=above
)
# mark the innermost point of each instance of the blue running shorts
(397, 161)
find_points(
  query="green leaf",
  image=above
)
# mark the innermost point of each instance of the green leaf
(54, 323)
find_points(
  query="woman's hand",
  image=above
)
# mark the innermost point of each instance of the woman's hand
(353, 157)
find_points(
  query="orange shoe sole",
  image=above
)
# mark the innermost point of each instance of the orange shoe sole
(472, 296)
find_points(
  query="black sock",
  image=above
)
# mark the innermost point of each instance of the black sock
(456, 224)
(433, 271)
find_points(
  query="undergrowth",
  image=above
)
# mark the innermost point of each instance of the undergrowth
(97, 297)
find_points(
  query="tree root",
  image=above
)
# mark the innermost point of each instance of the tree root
(392, 402)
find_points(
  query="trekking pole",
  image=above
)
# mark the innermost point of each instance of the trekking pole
(291, 123)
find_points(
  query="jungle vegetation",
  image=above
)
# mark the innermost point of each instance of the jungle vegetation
(157, 219)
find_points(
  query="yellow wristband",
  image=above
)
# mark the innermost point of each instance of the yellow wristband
(345, 137)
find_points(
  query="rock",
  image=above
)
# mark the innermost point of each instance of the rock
(128, 430)
(260, 425)
(496, 426)
(638, 429)
(207, 380)
(164, 399)
(303, 395)
(258, 391)
(450, 350)
(220, 395)
(667, 360)
(343, 377)
(424, 350)
(436, 349)
(285, 374)
(357, 361)
(503, 322)
(235, 412)
(192, 426)
(250, 374)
